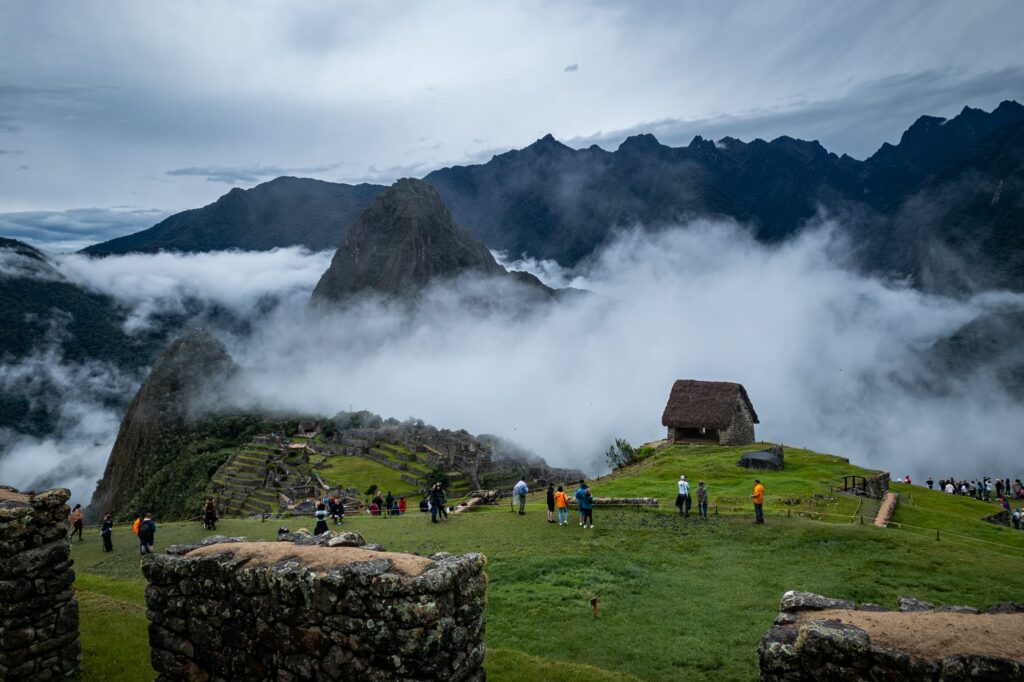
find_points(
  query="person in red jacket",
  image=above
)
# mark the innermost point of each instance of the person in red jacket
(401, 506)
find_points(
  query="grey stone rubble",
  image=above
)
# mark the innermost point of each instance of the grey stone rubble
(827, 650)
(223, 616)
(39, 637)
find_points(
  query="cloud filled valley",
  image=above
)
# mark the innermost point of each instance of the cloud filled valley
(832, 360)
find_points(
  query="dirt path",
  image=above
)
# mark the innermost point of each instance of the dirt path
(886, 509)
(937, 635)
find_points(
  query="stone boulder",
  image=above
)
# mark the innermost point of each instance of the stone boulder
(771, 459)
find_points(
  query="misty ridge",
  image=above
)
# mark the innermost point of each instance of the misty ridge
(834, 360)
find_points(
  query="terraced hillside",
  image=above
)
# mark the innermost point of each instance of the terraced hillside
(253, 480)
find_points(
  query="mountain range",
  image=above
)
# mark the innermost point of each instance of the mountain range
(950, 193)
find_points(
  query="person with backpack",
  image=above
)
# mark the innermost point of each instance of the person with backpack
(77, 524)
(519, 495)
(551, 503)
(683, 498)
(579, 495)
(587, 508)
(106, 531)
(147, 534)
(562, 505)
(321, 519)
(435, 502)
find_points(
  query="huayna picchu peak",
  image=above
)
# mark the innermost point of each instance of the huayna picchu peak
(406, 240)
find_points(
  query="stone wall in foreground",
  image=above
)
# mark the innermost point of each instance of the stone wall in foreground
(806, 650)
(38, 612)
(314, 608)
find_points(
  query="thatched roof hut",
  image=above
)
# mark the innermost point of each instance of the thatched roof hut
(718, 411)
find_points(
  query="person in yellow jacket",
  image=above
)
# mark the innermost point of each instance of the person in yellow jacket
(758, 498)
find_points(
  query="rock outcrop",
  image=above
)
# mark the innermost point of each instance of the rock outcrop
(813, 639)
(307, 610)
(404, 241)
(38, 612)
(179, 390)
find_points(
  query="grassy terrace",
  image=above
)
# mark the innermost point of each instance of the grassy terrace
(361, 473)
(677, 598)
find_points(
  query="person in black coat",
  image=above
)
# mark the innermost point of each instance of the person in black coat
(551, 503)
(389, 502)
(106, 531)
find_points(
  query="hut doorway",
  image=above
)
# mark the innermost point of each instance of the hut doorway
(696, 433)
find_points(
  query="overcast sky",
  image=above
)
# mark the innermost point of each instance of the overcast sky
(113, 114)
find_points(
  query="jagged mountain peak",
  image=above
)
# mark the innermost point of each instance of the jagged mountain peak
(403, 241)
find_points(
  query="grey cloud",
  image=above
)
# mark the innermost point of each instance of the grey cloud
(76, 228)
(10, 152)
(856, 122)
(247, 174)
(571, 68)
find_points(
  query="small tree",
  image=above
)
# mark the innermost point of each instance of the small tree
(620, 453)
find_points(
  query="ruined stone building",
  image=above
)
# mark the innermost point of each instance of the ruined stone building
(38, 611)
(709, 411)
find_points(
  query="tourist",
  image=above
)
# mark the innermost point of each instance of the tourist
(683, 498)
(519, 496)
(389, 502)
(579, 494)
(147, 534)
(378, 500)
(210, 514)
(758, 498)
(442, 497)
(435, 502)
(587, 509)
(1016, 518)
(562, 504)
(106, 530)
(321, 519)
(424, 506)
(402, 506)
(374, 508)
(949, 488)
(702, 501)
(551, 502)
(337, 509)
(930, 483)
(76, 522)
(395, 511)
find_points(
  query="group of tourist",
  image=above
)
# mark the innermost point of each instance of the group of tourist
(558, 503)
(684, 499)
(984, 489)
(388, 505)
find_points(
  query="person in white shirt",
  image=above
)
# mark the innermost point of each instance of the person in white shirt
(519, 495)
(949, 488)
(683, 498)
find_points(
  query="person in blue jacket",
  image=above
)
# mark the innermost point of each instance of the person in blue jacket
(587, 509)
(579, 495)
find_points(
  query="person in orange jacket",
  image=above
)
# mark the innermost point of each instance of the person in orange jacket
(562, 506)
(758, 498)
(76, 521)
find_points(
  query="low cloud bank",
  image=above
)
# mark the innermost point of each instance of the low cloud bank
(831, 359)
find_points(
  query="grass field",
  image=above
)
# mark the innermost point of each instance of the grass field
(678, 598)
(361, 473)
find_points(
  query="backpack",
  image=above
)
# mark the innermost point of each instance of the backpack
(135, 526)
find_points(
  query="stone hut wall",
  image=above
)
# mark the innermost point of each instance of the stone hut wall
(309, 608)
(741, 430)
(38, 612)
(878, 486)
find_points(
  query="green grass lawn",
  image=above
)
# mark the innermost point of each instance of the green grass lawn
(678, 599)
(361, 473)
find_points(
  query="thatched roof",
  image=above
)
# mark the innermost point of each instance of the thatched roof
(704, 404)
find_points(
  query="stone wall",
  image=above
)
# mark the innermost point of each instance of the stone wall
(741, 430)
(801, 648)
(326, 608)
(877, 486)
(38, 612)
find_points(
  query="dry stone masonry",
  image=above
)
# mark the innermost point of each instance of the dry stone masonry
(325, 607)
(38, 612)
(813, 640)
